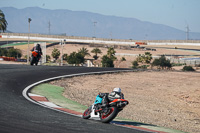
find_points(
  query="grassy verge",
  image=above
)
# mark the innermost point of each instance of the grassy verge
(54, 95)
(16, 44)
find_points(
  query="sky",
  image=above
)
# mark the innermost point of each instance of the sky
(175, 13)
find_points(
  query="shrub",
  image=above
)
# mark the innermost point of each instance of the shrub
(144, 66)
(3, 52)
(75, 58)
(123, 59)
(145, 58)
(17, 53)
(107, 62)
(134, 64)
(188, 68)
(162, 62)
(178, 64)
(48, 58)
(55, 53)
(65, 57)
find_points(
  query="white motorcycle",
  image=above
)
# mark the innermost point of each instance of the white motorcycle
(105, 113)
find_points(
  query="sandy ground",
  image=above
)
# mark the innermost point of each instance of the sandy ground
(69, 48)
(163, 98)
(132, 54)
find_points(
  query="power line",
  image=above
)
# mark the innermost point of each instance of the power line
(187, 32)
(49, 26)
(95, 29)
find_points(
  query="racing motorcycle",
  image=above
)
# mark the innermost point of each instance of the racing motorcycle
(34, 58)
(105, 113)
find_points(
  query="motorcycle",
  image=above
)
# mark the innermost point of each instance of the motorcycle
(106, 114)
(34, 58)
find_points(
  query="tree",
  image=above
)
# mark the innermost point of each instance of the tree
(139, 58)
(111, 52)
(3, 22)
(55, 53)
(84, 52)
(3, 52)
(75, 58)
(145, 58)
(162, 62)
(96, 51)
(65, 57)
(14, 53)
(107, 61)
(135, 64)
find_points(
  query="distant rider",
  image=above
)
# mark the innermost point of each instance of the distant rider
(38, 50)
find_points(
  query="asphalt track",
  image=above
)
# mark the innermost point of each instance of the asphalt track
(18, 115)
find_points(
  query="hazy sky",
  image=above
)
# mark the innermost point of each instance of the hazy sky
(174, 13)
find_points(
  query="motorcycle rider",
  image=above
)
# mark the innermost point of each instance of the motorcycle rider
(105, 98)
(106, 106)
(38, 50)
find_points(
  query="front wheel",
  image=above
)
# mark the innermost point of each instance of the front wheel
(110, 115)
(32, 61)
(86, 114)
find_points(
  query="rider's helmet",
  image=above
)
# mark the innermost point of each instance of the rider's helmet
(117, 90)
(38, 45)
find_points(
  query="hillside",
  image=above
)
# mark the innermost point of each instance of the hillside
(81, 23)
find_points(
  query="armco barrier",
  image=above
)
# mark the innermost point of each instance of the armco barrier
(21, 60)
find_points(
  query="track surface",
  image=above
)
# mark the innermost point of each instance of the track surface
(18, 115)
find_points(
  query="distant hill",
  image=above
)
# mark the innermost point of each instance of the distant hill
(81, 23)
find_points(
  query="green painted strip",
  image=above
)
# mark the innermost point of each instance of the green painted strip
(16, 44)
(54, 95)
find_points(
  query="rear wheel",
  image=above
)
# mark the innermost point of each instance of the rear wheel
(110, 115)
(86, 114)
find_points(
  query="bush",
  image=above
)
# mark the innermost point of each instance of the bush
(188, 68)
(123, 59)
(107, 62)
(55, 53)
(75, 58)
(162, 62)
(134, 64)
(17, 53)
(3, 52)
(145, 58)
(144, 66)
(48, 58)
(65, 57)
(178, 64)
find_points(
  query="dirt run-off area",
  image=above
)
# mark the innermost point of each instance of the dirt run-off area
(163, 98)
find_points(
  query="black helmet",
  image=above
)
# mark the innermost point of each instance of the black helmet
(38, 45)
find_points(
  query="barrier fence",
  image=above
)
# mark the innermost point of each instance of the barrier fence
(102, 39)
(8, 58)
(187, 61)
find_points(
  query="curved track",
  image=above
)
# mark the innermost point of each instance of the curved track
(18, 115)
